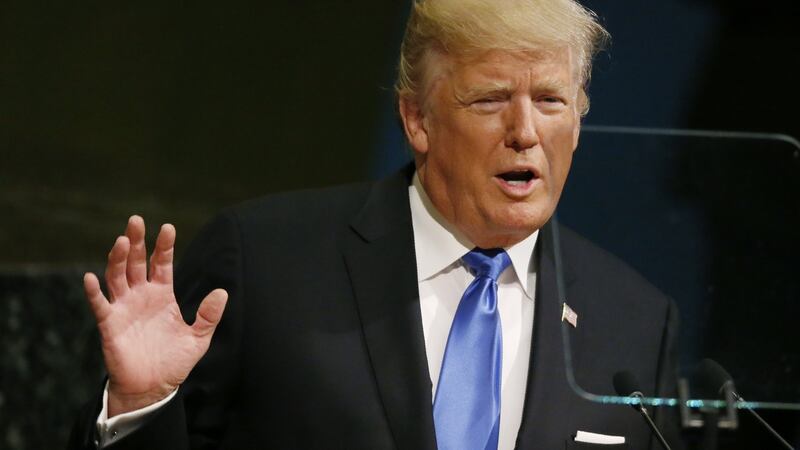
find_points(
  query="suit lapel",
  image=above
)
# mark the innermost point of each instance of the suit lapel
(381, 262)
(547, 396)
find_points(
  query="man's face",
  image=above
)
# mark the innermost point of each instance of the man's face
(493, 140)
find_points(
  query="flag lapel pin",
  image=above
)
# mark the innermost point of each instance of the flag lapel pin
(567, 314)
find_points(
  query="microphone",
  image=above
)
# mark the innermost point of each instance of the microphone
(626, 385)
(714, 378)
(719, 380)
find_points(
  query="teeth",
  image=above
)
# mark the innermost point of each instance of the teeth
(516, 182)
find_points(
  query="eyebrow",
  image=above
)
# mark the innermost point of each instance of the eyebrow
(552, 85)
(481, 90)
(497, 87)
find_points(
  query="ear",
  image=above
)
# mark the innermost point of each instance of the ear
(582, 108)
(413, 117)
(576, 132)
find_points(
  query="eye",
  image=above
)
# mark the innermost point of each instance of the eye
(487, 100)
(551, 99)
(551, 103)
(487, 104)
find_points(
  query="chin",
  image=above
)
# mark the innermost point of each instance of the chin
(515, 225)
(525, 218)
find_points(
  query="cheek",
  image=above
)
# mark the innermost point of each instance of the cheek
(558, 152)
(467, 146)
(560, 160)
(464, 125)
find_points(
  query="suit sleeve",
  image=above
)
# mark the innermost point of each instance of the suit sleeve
(198, 416)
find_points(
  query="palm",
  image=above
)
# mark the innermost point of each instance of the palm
(134, 338)
(148, 348)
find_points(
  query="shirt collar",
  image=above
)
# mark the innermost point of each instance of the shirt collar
(439, 245)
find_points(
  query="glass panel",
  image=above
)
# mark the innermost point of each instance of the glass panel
(711, 219)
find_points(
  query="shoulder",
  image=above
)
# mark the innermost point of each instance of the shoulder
(331, 204)
(610, 282)
(300, 219)
(326, 213)
(587, 258)
(311, 212)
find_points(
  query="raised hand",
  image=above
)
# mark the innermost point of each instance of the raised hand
(148, 348)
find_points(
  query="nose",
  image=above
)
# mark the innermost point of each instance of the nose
(521, 132)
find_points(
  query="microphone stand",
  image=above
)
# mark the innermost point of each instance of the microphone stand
(640, 407)
(764, 422)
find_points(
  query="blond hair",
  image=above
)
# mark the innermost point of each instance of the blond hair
(467, 27)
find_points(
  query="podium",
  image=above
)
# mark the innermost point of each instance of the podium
(712, 219)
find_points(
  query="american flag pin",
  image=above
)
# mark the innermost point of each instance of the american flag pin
(569, 315)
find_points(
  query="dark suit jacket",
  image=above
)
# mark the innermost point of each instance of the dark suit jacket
(321, 344)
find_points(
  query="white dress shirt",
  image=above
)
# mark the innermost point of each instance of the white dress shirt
(442, 281)
(443, 278)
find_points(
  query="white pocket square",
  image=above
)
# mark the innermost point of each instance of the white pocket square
(596, 438)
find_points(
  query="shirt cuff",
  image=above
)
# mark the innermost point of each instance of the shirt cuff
(113, 429)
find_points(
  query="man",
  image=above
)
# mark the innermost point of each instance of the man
(350, 314)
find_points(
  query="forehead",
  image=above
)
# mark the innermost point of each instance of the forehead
(504, 69)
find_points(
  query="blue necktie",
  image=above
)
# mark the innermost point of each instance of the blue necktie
(466, 410)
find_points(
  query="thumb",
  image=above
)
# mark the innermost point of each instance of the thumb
(209, 313)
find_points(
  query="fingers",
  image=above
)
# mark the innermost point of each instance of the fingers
(97, 301)
(116, 270)
(161, 259)
(209, 313)
(137, 256)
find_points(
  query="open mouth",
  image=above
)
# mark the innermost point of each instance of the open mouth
(517, 177)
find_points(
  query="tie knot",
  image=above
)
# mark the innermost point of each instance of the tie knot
(487, 262)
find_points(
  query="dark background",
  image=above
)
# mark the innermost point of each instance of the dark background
(175, 110)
